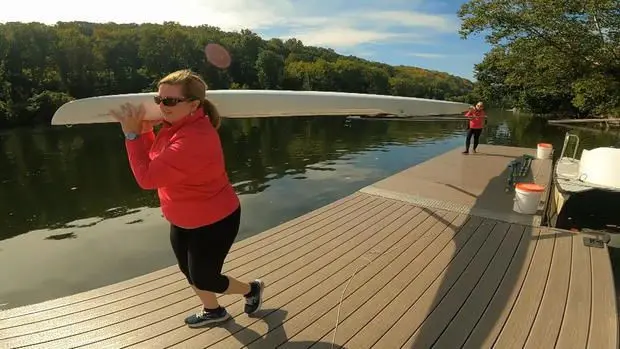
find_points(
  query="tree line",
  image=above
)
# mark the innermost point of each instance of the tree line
(44, 66)
(548, 56)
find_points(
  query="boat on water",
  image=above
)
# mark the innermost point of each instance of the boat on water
(266, 103)
(586, 190)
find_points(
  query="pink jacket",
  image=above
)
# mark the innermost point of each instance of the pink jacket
(476, 118)
(185, 163)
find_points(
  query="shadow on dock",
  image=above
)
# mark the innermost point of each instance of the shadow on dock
(275, 332)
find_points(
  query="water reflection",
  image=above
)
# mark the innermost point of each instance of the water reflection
(524, 131)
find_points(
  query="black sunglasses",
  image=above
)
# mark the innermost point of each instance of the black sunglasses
(169, 101)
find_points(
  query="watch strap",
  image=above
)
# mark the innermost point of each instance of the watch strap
(131, 136)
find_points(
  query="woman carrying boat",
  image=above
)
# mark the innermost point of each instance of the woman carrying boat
(185, 163)
(477, 120)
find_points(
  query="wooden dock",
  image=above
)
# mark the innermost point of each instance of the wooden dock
(430, 257)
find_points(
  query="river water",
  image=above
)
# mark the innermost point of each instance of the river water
(73, 218)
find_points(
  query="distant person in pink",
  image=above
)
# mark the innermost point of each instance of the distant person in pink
(477, 118)
(184, 162)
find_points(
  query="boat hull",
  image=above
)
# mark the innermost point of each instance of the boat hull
(264, 103)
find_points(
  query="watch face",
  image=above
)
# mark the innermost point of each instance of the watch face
(131, 136)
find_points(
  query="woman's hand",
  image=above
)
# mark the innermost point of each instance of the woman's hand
(131, 119)
(147, 125)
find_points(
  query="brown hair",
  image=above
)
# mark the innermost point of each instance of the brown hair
(193, 87)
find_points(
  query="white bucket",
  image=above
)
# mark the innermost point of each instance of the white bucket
(544, 150)
(527, 197)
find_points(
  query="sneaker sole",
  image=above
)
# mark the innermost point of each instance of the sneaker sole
(207, 322)
(261, 288)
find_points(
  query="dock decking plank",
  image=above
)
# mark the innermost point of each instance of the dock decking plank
(498, 310)
(461, 325)
(604, 317)
(416, 301)
(447, 300)
(302, 221)
(546, 327)
(517, 327)
(299, 236)
(574, 329)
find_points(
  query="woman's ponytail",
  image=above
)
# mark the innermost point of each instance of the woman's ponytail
(210, 110)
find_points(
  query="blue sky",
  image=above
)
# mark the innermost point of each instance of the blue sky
(421, 33)
(416, 32)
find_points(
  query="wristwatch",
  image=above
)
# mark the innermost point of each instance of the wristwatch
(131, 136)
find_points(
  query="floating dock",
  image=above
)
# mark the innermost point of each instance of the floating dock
(432, 257)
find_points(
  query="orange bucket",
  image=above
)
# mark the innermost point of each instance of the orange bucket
(529, 187)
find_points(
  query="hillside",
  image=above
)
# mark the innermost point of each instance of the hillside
(42, 67)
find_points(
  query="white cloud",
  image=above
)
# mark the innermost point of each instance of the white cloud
(413, 19)
(427, 55)
(343, 36)
(230, 14)
(315, 23)
(239, 14)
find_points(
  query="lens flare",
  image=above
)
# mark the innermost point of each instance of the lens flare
(217, 55)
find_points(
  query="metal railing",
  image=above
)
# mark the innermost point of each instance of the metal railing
(567, 138)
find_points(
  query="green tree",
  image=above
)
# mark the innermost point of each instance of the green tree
(270, 69)
(549, 56)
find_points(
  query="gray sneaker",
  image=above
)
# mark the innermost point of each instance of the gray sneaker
(254, 299)
(205, 317)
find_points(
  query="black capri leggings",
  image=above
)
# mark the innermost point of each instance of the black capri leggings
(476, 132)
(201, 251)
